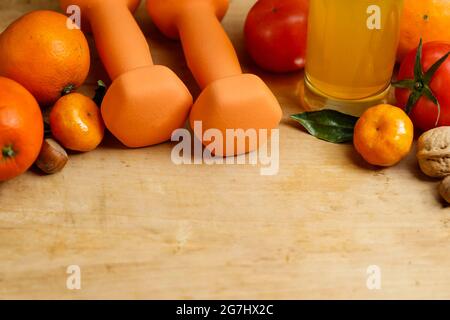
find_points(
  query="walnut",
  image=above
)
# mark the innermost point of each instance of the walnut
(434, 152)
(444, 189)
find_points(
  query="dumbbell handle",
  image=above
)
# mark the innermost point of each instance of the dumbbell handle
(120, 43)
(209, 52)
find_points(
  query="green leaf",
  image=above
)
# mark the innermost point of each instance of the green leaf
(329, 125)
(100, 92)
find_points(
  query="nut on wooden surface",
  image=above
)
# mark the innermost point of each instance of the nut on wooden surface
(433, 152)
(53, 158)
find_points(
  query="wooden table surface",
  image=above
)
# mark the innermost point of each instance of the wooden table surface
(141, 227)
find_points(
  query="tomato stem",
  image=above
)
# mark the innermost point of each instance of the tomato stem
(8, 152)
(418, 85)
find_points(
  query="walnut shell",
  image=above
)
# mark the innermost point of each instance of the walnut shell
(434, 152)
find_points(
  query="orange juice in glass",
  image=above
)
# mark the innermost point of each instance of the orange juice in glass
(351, 52)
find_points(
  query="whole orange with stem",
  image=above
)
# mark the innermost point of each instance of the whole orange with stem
(423, 19)
(76, 122)
(45, 53)
(21, 129)
(383, 135)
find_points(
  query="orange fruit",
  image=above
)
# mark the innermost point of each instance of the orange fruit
(21, 129)
(40, 52)
(383, 135)
(426, 19)
(76, 122)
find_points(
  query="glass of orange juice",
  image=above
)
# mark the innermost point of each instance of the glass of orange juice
(351, 52)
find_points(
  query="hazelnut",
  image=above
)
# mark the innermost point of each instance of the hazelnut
(52, 158)
(433, 152)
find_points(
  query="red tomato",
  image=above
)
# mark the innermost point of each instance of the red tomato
(275, 34)
(425, 113)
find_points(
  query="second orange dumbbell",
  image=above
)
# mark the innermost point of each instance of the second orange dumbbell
(230, 99)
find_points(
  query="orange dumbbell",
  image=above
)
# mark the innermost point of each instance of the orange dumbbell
(145, 102)
(230, 99)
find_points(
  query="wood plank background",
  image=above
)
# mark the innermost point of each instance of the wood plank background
(141, 227)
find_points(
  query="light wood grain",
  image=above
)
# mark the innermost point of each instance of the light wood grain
(141, 227)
